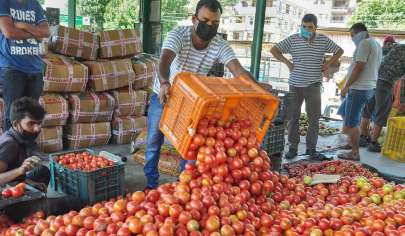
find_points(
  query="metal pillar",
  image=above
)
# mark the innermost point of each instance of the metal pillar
(150, 19)
(72, 13)
(258, 38)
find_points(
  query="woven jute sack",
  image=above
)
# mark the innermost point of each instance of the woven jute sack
(63, 74)
(126, 129)
(129, 102)
(56, 108)
(91, 107)
(74, 43)
(83, 135)
(51, 139)
(146, 69)
(120, 43)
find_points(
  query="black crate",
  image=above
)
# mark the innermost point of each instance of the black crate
(89, 187)
(274, 142)
(285, 98)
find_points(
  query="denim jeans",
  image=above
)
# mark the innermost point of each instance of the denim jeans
(353, 105)
(154, 142)
(17, 84)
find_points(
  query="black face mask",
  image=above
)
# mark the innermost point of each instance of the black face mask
(28, 136)
(206, 32)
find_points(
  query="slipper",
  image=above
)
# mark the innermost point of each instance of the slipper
(348, 156)
(320, 157)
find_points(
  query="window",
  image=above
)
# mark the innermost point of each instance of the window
(251, 20)
(266, 37)
(236, 36)
(267, 20)
(269, 3)
(244, 4)
(253, 3)
(249, 36)
(338, 18)
(287, 9)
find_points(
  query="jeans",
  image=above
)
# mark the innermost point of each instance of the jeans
(312, 97)
(17, 84)
(353, 105)
(154, 142)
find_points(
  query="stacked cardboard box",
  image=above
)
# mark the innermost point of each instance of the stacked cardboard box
(109, 86)
(51, 139)
(63, 74)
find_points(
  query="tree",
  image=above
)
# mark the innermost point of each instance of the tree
(42, 2)
(381, 14)
(121, 14)
(173, 11)
(96, 10)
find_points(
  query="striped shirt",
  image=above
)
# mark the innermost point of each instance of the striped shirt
(190, 59)
(307, 57)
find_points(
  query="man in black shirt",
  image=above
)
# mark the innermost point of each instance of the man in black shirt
(17, 162)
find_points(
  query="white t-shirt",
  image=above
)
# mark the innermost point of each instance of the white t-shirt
(190, 59)
(369, 51)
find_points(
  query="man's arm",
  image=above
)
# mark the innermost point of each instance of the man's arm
(166, 58)
(6, 177)
(38, 31)
(276, 52)
(354, 76)
(10, 31)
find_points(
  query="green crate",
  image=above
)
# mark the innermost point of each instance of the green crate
(89, 187)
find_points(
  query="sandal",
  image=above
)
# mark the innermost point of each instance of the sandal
(349, 156)
(346, 147)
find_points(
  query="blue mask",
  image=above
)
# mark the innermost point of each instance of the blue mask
(359, 37)
(305, 33)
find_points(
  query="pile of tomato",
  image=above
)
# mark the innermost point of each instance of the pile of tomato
(15, 192)
(231, 191)
(83, 161)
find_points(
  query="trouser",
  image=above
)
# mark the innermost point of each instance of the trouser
(17, 84)
(154, 142)
(380, 104)
(312, 97)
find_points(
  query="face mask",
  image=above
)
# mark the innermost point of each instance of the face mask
(305, 33)
(206, 32)
(359, 37)
(28, 136)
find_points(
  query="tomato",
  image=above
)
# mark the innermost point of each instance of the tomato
(17, 192)
(6, 193)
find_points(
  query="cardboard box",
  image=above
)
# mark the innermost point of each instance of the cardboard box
(120, 43)
(91, 107)
(74, 43)
(63, 74)
(146, 69)
(56, 108)
(126, 129)
(83, 135)
(129, 102)
(51, 139)
(107, 75)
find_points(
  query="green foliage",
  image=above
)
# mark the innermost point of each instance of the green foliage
(42, 2)
(121, 14)
(96, 10)
(381, 14)
(173, 11)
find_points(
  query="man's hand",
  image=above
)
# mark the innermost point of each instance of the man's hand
(164, 92)
(29, 164)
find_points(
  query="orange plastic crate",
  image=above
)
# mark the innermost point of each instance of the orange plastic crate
(193, 97)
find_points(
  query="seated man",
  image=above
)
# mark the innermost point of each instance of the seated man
(16, 160)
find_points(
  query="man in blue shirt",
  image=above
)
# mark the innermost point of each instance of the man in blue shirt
(22, 26)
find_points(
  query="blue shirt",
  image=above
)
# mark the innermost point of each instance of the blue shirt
(22, 55)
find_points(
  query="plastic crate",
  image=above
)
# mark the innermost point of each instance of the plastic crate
(193, 97)
(89, 187)
(274, 142)
(394, 144)
(284, 97)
